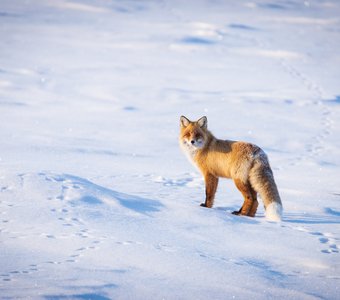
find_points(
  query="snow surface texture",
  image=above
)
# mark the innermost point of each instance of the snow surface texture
(96, 199)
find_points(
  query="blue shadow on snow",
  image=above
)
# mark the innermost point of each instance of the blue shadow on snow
(242, 27)
(80, 296)
(336, 100)
(197, 41)
(94, 192)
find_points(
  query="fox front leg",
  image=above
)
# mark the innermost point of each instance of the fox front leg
(211, 183)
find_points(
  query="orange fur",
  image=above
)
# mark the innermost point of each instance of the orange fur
(245, 163)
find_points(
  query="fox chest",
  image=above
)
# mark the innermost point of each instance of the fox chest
(191, 153)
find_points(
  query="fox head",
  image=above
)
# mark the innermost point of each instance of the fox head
(193, 134)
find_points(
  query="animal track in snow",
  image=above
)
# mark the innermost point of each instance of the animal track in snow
(329, 241)
(315, 148)
(77, 191)
(11, 275)
(166, 247)
(190, 180)
(326, 239)
(63, 222)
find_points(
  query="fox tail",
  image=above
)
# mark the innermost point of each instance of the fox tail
(262, 181)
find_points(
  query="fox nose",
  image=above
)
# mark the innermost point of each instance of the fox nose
(192, 142)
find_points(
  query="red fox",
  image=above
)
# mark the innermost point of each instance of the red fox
(245, 163)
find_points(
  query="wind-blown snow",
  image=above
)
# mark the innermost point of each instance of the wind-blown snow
(96, 199)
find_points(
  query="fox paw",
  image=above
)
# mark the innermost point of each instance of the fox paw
(207, 206)
(239, 213)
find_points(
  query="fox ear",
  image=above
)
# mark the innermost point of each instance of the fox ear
(184, 121)
(203, 122)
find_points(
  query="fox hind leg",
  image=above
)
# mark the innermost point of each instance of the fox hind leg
(250, 203)
(255, 204)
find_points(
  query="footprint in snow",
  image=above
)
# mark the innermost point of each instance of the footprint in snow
(191, 180)
(10, 276)
(79, 191)
(330, 242)
(166, 247)
(326, 239)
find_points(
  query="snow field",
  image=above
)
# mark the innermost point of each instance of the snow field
(96, 199)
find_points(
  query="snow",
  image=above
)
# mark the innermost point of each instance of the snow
(96, 199)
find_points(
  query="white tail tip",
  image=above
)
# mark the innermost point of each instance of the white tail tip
(274, 212)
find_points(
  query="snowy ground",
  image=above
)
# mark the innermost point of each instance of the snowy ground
(96, 199)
